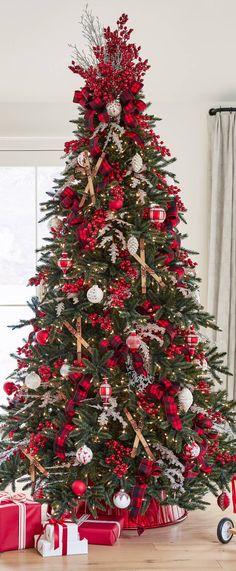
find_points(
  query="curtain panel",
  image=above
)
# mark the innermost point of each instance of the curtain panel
(222, 246)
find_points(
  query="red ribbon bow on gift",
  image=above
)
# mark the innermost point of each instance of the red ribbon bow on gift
(146, 469)
(57, 523)
(165, 392)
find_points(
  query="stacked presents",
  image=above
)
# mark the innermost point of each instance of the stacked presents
(21, 528)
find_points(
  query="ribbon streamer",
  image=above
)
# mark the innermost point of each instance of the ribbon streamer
(146, 469)
(139, 434)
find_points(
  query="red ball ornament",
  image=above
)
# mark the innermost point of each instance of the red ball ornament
(157, 213)
(116, 204)
(133, 341)
(78, 488)
(223, 501)
(64, 263)
(42, 337)
(9, 387)
(192, 339)
(105, 391)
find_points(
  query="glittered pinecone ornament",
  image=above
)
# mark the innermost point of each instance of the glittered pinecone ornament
(114, 108)
(137, 163)
(223, 501)
(132, 245)
(185, 399)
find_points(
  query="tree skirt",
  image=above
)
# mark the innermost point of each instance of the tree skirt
(155, 516)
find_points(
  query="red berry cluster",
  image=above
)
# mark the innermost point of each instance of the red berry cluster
(116, 457)
(203, 387)
(119, 291)
(73, 146)
(126, 265)
(103, 320)
(25, 349)
(117, 191)
(44, 372)
(73, 287)
(147, 405)
(107, 79)
(36, 280)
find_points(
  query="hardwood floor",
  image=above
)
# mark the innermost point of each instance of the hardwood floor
(191, 545)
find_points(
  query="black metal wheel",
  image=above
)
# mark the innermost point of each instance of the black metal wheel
(224, 530)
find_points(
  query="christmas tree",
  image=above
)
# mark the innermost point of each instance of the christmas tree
(113, 399)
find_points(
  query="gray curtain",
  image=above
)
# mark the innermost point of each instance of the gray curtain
(222, 247)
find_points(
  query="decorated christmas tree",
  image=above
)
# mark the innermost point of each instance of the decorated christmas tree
(114, 399)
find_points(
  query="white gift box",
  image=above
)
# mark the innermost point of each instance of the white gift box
(69, 540)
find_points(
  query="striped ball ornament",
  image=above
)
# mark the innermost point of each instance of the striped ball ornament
(157, 213)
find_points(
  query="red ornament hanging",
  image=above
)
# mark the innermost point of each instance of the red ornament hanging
(9, 387)
(192, 339)
(133, 341)
(157, 213)
(223, 501)
(42, 337)
(105, 391)
(78, 487)
(64, 263)
(116, 204)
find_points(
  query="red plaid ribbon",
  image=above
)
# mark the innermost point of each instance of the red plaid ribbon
(146, 469)
(80, 394)
(172, 219)
(165, 392)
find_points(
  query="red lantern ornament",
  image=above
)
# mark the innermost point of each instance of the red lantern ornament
(105, 392)
(78, 488)
(42, 336)
(192, 340)
(116, 204)
(223, 501)
(9, 387)
(133, 341)
(64, 263)
(157, 213)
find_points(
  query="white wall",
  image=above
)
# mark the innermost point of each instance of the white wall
(191, 47)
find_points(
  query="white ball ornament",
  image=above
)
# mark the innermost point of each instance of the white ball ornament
(132, 245)
(114, 108)
(185, 399)
(121, 500)
(95, 294)
(137, 163)
(84, 455)
(64, 370)
(32, 381)
(82, 159)
(55, 223)
(192, 450)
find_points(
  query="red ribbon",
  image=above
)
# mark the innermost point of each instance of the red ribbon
(165, 391)
(146, 469)
(56, 524)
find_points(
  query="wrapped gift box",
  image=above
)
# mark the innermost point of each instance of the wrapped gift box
(60, 538)
(103, 531)
(20, 520)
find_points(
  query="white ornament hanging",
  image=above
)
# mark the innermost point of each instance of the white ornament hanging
(95, 294)
(192, 450)
(185, 399)
(132, 245)
(114, 108)
(137, 163)
(64, 370)
(121, 500)
(55, 223)
(82, 159)
(32, 381)
(84, 454)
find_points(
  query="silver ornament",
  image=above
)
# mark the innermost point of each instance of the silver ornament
(55, 223)
(84, 455)
(137, 163)
(132, 245)
(32, 381)
(114, 108)
(185, 399)
(95, 294)
(121, 499)
(64, 370)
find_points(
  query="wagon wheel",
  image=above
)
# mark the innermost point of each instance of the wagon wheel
(224, 527)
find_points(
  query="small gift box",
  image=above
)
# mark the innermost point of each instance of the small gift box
(103, 531)
(20, 520)
(60, 537)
